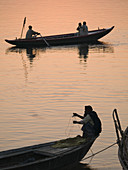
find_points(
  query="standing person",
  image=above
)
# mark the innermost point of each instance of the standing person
(30, 32)
(85, 28)
(79, 29)
(91, 122)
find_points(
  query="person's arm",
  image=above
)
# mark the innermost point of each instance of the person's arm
(34, 32)
(78, 28)
(75, 114)
(87, 28)
(83, 121)
(77, 122)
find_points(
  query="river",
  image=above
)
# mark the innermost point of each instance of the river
(41, 87)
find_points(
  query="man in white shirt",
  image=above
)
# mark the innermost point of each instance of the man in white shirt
(89, 120)
(30, 32)
(85, 28)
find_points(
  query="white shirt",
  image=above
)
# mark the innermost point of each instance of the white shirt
(85, 30)
(87, 119)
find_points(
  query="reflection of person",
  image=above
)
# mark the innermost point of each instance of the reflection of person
(29, 52)
(91, 123)
(83, 51)
(30, 32)
(31, 56)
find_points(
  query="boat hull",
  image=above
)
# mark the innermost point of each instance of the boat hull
(122, 141)
(43, 156)
(63, 39)
(123, 151)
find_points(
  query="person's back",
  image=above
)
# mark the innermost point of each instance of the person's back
(97, 122)
(29, 34)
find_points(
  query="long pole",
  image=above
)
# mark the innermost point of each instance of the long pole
(23, 27)
(45, 40)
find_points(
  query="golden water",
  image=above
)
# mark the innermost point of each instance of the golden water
(39, 94)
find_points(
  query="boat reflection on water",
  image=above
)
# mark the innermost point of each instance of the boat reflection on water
(31, 53)
(36, 53)
(83, 50)
(98, 47)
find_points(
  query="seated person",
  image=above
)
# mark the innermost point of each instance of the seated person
(30, 33)
(91, 122)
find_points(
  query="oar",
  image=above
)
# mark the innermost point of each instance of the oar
(45, 41)
(23, 27)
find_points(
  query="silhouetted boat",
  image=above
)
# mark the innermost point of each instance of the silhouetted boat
(48, 156)
(62, 39)
(122, 140)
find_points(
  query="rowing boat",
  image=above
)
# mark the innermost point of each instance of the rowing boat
(62, 39)
(48, 156)
(122, 140)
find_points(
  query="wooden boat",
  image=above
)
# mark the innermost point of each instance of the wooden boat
(122, 140)
(47, 156)
(62, 39)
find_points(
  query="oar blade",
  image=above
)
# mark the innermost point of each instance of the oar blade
(24, 21)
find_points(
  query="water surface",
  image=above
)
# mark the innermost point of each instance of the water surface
(41, 87)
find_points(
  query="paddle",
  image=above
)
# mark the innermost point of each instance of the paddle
(45, 41)
(23, 27)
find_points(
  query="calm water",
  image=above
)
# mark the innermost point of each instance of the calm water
(38, 94)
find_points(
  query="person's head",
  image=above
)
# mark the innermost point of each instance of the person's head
(80, 24)
(88, 109)
(84, 23)
(30, 27)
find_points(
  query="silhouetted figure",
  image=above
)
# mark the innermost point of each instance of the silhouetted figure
(79, 29)
(85, 28)
(91, 122)
(30, 32)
